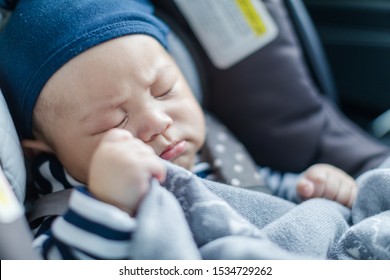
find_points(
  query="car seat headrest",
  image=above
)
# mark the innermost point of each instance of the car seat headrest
(186, 63)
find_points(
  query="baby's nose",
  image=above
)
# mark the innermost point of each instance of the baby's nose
(153, 124)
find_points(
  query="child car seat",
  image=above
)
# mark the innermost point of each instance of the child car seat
(15, 236)
(268, 100)
(272, 100)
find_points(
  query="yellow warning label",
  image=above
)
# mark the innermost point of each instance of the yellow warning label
(252, 16)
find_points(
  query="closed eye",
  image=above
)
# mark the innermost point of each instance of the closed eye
(164, 94)
(123, 123)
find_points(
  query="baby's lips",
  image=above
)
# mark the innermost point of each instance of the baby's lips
(174, 151)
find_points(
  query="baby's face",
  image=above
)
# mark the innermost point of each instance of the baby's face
(131, 83)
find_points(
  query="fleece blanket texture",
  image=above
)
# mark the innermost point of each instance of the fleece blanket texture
(192, 218)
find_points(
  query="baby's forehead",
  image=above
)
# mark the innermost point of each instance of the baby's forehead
(137, 59)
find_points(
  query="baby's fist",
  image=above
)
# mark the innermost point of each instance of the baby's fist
(121, 169)
(324, 180)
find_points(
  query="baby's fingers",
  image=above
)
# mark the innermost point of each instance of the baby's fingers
(332, 186)
(346, 194)
(156, 168)
(305, 188)
(314, 183)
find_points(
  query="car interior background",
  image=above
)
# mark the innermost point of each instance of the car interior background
(345, 48)
(356, 39)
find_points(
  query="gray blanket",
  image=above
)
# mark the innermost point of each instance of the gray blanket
(191, 218)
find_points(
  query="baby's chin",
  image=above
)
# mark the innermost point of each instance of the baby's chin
(186, 162)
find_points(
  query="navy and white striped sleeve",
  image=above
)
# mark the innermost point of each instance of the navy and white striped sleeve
(90, 229)
(281, 184)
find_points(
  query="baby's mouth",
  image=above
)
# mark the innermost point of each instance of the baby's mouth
(174, 150)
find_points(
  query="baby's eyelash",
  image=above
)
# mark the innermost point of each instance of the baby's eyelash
(123, 123)
(165, 93)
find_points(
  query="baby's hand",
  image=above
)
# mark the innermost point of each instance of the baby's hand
(323, 180)
(121, 169)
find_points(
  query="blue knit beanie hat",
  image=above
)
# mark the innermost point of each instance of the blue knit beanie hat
(42, 35)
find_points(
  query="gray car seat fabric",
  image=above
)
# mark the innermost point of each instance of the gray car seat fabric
(11, 155)
(270, 101)
(16, 237)
(313, 48)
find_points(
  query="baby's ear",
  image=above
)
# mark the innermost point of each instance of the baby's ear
(31, 148)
